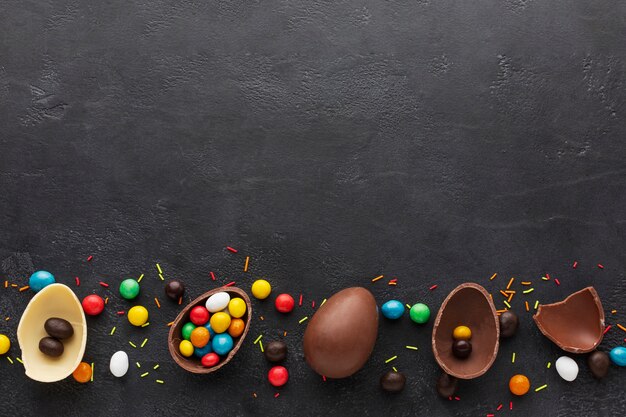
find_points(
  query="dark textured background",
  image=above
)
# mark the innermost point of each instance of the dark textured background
(433, 141)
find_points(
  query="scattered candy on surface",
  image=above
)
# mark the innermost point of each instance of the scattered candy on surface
(174, 290)
(237, 307)
(82, 373)
(462, 333)
(220, 322)
(599, 364)
(461, 348)
(138, 315)
(508, 323)
(187, 329)
(119, 364)
(284, 303)
(5, 344)
(278, 376)
(618, 355)
(519, 384)
(276, 351)
(261, 289)
(217, 302)
(93, 305)
(39, 280)
(222, 344)
(199, 315)
(185, 348)
(199, 337)
(567, 368)
(419, 313)
(392, 381)
(210, 359)
(392, 309)
(236, 328)
(129, 289)
(447, 385)
(58, 328)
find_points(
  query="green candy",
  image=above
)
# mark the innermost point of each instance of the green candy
(420, 313)
(187, 329)
(129, 289)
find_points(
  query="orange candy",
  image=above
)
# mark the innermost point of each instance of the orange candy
(82, 373)
(519, 384)
(200, 336)
(236, 327)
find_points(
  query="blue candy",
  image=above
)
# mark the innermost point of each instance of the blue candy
(211, 331)
(393, 309)
(222, 343)
(618, 355)
(200, 352)
(40, 279)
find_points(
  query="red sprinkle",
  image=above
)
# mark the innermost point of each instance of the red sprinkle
(77, 281)
(490, 415)
(600, 266)
(230, 284)
(433, 287)
(499, 407)
(233, 250)
(120, 313)
(212, 275)
(324, 378)
(548, 276)
(104, 284)
(575, 264)
(89, 258)
(450, 398)
(393, 280)
(557, 281)
(313, 304)
(457, 398)
(276, 395)
(607, 329)
(511, 405)
(300, 302)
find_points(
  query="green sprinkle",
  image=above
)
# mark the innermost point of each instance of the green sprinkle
(19, 360)
(394, 369)
(144, 342)
(132, 344)
(261, 346)
(528, 290)
(161, 276)
(159, 268)
(541, 387)
(156, 366)
(138, 364)
(411, 347)
(92, 371)
(257, 339)
(303, 319)
(145, 374)
(140, 278)
(507, 304)
(10, 360)
(536, 304)
(513, 358)
(392, 358)
(112, 331)
(146, 324)
(323, 301)
(159, 381)
(549, 365)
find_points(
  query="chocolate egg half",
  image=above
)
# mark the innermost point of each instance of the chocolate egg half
(468, 305)
(575, 324)
(341, 335)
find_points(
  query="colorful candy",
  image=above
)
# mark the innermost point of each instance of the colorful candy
(618, 355)
(278, 376)
(199, 337)
(209, 360)
(187, 329)
(129, 289)
(237, 307)
(200, 352)
(119, 364)
(174, 290)
(261, 289)
(222, 344)
(185, 348)
(199, 315)
(392, 309)
(39, 280)
(5, 344)
(220, 322)
(519, 384)
(284, 303)
(82, 373)
(419, 313)
(138, 316)
(217, 302)
(93, 305)
(462, 333)
(236, 327)
(567, 368)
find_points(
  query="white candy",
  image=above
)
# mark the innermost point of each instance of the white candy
(119, 364)
(567, 368)
(217, 302)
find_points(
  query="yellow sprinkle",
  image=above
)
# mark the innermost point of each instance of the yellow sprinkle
(394, 369)
(159, 268)
(8, 318)
(170, 324)
(541, 387)
(144, 342)
(528, 290)
(392, 358)
(145, 374)
(510, 283)
(92, 371)
(156, 366)
(261, 346)
(112, 331)
(14, 285)
(258, 338)
(6, 284)
(411, 347)
(408, 306)
(323, 301)
(132, 344)
(393, 283)
(544, 278)
(159, 381)
(493, 276)
(536, 304)
(303, 319)
(161, 276)
(138, 364)
(513, 358)
(377, 278)
(140, 278)
(19, 360)
(10, 360)
(526, 282)
(145, 324)
(245, 267)
(613, 311)
(507, 304)
(549, 365)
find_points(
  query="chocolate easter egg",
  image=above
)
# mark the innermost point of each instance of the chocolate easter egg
(468, 305)
(341, 335)
(575, 324)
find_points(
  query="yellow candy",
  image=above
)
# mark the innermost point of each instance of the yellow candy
(138, 315)
(5, 344)
(185, 348)
(261, 289)
(237, 307)
(462, 333)
(220, 322)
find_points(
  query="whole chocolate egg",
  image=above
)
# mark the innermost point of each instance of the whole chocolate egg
(341, 335)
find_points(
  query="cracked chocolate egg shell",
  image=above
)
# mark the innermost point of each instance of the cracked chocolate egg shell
(55, 300)
(341, 335)
(468, 305)
(575, 324)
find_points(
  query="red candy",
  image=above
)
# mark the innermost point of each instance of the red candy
(199, 315)
(210, 359)
(284, 303)
(278, 375)
(93, 305)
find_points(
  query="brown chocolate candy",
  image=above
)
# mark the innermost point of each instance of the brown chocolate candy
(174, 290)
(447, 385)
(575, 324)
(276, 351)
(51, 347)
(461, 348)
(468, 304)
(508, 323)
(341, 335)
(392, 381)
(58, 328)
(599, 364)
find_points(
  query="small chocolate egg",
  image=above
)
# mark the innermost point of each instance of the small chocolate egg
(174, 290)
(58, 328)
(276, 351)
(51, 347)
(599, 363)
(340, 337)
(447, 385)
(508, 323)
(461, 348)
(392, 381)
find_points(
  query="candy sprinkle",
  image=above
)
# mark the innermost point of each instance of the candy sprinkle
(92, 365)
(433, 287)
(621, 327)
(377, 278)
(257, 339)
(140, 278)
(544, 386)
(170, 324)
(156, 366)
(506, 303)
(146, 324)
(10, 360)
(161, 277)
(528, 290)
(144, 374)
(510, 283)
(545, 278)
(526, 282)
(106, 300)
(132, 344)
(245, 266)
(513, 358)
(391, 359)
(607, 329)
(277, 395)
(77, 281)
(613, 311)
(158, 381)
(303, 319)
(323, 301)
(575, 264)
(536, 304)
(104, 284)
(394, 369)
(212, 275)
(300, 302)
(527, 308)
(233, 250)
(511, 405)
(19, 360)
(144, 342)
(24, 288)
(499, 407)
(89, 258)
(493, 276)
(112, 331)
(230, 284)
(138, 364)
(120, 313)
(156, 300)
(261, 346)
(600, 266)
(411, 347)
(158, 267)
(549, 365)
(557, 281)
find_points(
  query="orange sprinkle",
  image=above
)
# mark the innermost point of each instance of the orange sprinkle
(504, 293)
(254, 394)
(393, 283)
(285, 334)
(613, 311)
(170, 324)
(510, 297)
(527, 308)
(621, 327)
(156, 300)
(261, 317)
(106, 300)
(6, 284)
(377, 278)
(14, 285)
(510, 283)
(510, 291)
(24, 288)
(8, 318)
(180, 300)
(245, 267)
(526, 282)
(493, 276)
